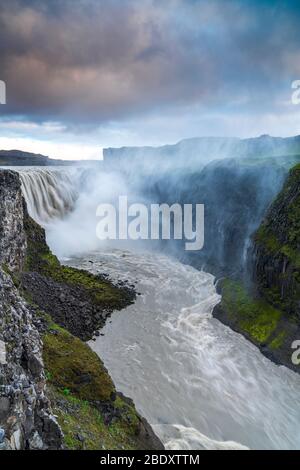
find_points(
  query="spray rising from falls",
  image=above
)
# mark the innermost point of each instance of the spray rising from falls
(49, 194)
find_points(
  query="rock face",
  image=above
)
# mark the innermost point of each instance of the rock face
(26, 421)
(268, 313)
(12, 233)
(277, 249)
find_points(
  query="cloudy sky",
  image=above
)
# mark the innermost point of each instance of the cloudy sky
(87, 74)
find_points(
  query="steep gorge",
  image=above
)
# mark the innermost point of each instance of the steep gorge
(44, 367)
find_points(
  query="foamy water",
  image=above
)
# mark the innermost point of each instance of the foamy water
(201, 385)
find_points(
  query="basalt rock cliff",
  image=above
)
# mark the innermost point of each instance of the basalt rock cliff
(277, 249)
(267, 311)
(26, 420)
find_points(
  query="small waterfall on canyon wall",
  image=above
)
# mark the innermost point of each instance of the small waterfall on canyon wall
(49, 194)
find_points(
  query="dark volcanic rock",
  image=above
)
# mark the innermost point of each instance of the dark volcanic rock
(277, 249)
(69, 306)
(12, 233)
(25, 413)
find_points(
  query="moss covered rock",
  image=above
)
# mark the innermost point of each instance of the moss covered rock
(72, 366)
(277, 249)
(92, 415)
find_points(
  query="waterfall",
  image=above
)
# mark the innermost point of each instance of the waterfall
(49, 193)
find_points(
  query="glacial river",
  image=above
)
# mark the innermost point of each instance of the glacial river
(200, 385)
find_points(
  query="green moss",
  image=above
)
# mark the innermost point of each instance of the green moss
(78, 385)
(289, 208)
(278, 243)
(72, 365)
(278, 341)
(6, 269)
(267, 238)
(253, 316)
(14, 277)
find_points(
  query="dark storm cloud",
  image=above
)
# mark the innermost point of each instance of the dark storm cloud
(98, 60)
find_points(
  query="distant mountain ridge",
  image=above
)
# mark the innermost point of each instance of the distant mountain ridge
(20, 158)
(184, 153)
(205, 149)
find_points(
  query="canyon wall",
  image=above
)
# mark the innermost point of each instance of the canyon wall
(26, 421)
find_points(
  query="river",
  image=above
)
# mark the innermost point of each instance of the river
(200, 385)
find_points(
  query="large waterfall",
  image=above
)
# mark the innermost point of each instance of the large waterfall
(49, 194)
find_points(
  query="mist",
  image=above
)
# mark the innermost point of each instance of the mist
(229, 176)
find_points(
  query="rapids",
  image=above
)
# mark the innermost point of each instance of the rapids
(201, 385)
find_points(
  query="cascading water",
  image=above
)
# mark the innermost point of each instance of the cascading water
(201, 385)
(49, 194)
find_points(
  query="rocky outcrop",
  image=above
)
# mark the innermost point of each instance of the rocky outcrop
(12, 233)
(26, 421)
(75, 299)
(277, 249)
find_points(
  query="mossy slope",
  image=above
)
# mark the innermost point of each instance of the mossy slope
(90, 412)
